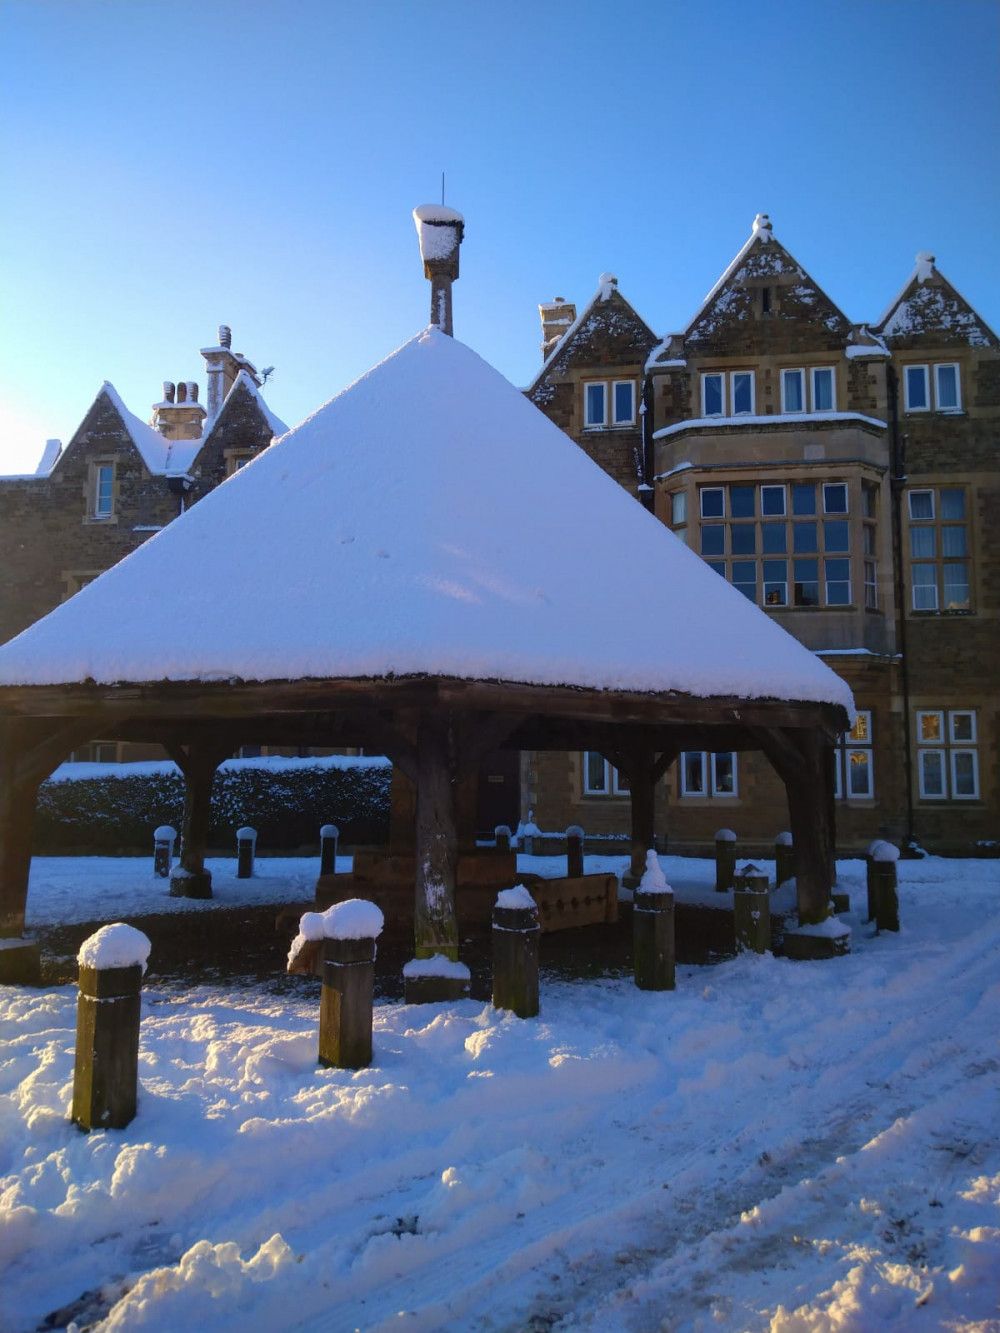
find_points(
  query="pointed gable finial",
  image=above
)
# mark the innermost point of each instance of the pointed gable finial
(606, 284)
(440, 231)
(762, 227)
(925, 266)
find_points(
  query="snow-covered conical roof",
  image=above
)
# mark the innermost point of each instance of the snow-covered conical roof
(427, 520)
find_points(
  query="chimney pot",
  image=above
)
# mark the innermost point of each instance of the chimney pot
(192, 391)
(182, 392)
(168, 391)
(225, 336)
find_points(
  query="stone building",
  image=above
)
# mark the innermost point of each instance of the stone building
(846, 478)
(117, 482)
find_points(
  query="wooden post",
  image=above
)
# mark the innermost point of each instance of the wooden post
(328, 836)
(653, 938)
(435, 918)
(870, 876)
(574, 851)
(106, 1070)
(751, 911)
(246, 842)
(784, 859)
(886, 895)
(725, 859)
(516, 933)
(198, 763)
(810, 808)
(345, 1014)
(163, 850)
(502, 835)
(642, 794)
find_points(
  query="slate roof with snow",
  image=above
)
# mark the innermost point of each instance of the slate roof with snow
(427, 520)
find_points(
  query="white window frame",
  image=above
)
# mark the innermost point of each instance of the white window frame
(733, 374)
(800, 372)
(956, 406)
(923, 518)
(678, 508)
(721, 377)
(616, 420)
(613, 786)
(871, 583)
(587, 386)
(840, 513)
(823, 370)
(712, 518)
(774, 486)
(850, 743)
(948, 750)
(100, 471)
(710, 785)
(925, 372)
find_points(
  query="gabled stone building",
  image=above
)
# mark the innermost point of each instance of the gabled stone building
(118, 481)
(846, 478)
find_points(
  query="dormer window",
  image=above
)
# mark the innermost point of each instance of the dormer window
(104, 490)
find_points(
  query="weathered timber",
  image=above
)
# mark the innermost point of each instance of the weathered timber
(653, 940)
(751, 911)
(574, 851)
(346, 1002)
(435, 920)
(246, 846)
(725, 861)
(106, 1070)
(328, 837)
(516, 932)
(198, 763)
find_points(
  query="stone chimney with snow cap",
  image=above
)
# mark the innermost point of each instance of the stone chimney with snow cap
(440, 231)
(557, 316)
(222, 367)
(179, 416)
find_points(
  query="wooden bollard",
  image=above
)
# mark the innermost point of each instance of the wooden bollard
(516, 932)
(345, 1013)
(574, 851)
(725, 859)
(502, 835)
(163, 850)
(784, 859)
(886, 894)
(246, 841)
(653, 930)
(751, 911)
(328, 837)
(106, 1070)
(870, 875)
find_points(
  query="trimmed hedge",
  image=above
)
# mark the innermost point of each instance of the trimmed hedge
(112, 809)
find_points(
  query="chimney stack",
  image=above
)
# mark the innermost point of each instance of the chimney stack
(222, 366)
(440, 231)
(556, 317)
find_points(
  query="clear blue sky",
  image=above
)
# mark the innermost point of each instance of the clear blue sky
(167, 167)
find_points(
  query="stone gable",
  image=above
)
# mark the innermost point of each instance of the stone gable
(930, 313)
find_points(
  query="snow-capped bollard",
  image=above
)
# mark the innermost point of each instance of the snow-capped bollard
(884, 891)
(502, 834)
(246, 841)
(653, 929)
(751, 910)
(106, 1070)
(870, 875)
(516, 933)
(163, 850)
(725, 859)
(350, 930)
(784, 859)
(435, 980)
(328, 837)
(574, 851)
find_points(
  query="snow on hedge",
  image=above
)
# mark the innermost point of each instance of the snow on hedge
(439, 561)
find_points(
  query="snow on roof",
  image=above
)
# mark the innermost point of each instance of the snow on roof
(278, 427)
(607, 285)
(782, 419)
(923, 303)
(153, 448)
(53, 448)
(426, 520)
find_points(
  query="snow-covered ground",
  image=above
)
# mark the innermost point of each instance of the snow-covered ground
(801, 1148)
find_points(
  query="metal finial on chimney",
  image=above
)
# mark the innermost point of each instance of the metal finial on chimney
(440, 231)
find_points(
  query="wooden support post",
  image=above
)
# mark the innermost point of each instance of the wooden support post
(725, 859)
(246, 844)
(751, 911)
(653, 939)
(784, 859)
(198, 763)
(643, 768)
(345, 1014)
(810, 808)
(435, 918)
(164, 838)
(574, 852)
(328, 837)
(106, 1070)
(516, 933)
